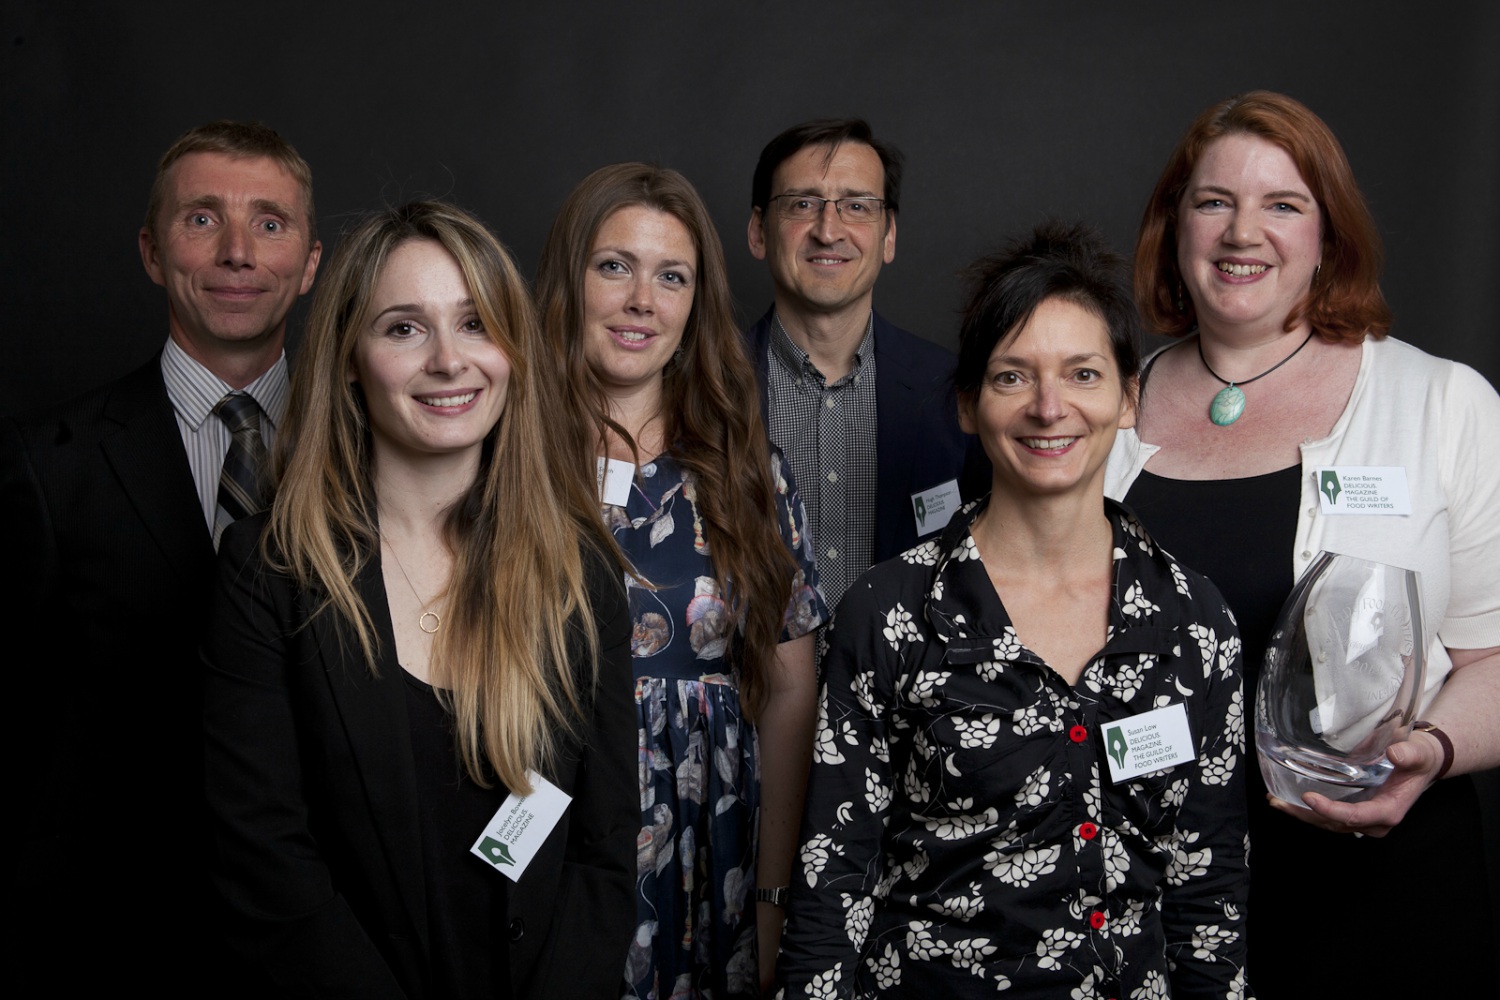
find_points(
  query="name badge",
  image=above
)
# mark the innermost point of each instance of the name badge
(615, 478)
(934, 508)
(1363, 489)
(515, 833)
(1148, 742)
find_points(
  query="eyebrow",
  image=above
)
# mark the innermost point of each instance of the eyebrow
(272, 207)
(260, 206)
(634, 259)
(1075, 359)
(817, 193)
(204, 201)
(1287, 195)
(416, 307)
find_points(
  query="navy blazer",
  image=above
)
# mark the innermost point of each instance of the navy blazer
(313, 791)
(917, 438)
(98, 502)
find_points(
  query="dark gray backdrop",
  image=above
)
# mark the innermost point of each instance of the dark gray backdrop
(1007, 113)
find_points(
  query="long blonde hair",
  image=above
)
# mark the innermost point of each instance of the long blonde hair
(710, 408)
(517, 590)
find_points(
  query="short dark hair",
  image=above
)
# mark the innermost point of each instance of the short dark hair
(831, 132)
(1053, 261)
(1345, 302)
(238, 139)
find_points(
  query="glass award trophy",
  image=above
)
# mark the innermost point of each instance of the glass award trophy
(1342, 679)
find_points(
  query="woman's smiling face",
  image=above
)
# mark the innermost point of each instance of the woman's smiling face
(1249, 236)
(1050, 403)
(637, 296)
(433, 378)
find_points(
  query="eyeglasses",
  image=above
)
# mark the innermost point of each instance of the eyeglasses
(806, 208)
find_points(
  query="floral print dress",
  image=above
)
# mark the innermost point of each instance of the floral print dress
(962, 834)
(699, 771)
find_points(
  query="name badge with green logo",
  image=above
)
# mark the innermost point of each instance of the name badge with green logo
(933, 509)
(515, 833)
(1148, 742)
(1362, 489)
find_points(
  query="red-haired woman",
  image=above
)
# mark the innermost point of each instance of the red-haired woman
(1257, 249)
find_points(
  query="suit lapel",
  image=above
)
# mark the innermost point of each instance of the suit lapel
(894, 424)
(757, 342)
(373, 710)
(144, 449)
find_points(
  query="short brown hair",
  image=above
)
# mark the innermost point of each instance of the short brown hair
(833, 133)
(1345, 302)
(238, 139)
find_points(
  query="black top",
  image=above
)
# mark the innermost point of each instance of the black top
(1239, 533)
(1316, 923)
(465, 897)
(322, 825)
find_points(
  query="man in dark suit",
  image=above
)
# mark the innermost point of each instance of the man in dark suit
(863, 410)
(114, 501)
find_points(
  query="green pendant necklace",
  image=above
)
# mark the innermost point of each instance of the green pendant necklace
(1229, 402)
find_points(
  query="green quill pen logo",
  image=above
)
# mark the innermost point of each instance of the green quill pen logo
(1115, 740)
(1328, 485)
(496, 852)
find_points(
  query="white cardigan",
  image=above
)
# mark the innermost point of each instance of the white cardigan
(1440, 420)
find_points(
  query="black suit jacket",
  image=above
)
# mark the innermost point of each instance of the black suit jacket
(917, 438)
(313, 791)
(97, 498)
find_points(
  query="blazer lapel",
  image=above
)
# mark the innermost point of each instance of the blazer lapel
(373, 709)
(144, 449)
(757, 341)
(894, 446)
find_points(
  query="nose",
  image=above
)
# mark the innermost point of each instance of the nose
(642, 300)
(1046, 402)
(829, 228)
(445, 356)
(1244, 228)
(236, 246)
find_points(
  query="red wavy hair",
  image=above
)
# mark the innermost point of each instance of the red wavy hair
(1345, 302)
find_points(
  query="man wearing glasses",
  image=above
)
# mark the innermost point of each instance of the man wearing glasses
(863, 410)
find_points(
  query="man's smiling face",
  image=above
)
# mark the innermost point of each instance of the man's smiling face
(825, 265)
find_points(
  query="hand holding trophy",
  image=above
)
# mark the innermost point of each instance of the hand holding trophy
(1342, 679)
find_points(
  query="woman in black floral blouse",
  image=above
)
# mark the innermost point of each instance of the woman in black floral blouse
(963, 834)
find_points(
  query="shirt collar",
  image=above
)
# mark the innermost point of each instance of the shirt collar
(966, 614)
(194, 390)
(799, 363)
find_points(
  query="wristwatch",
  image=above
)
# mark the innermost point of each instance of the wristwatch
(776, 896)
(1423, 726)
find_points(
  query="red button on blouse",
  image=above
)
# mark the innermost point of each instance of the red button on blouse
(1088, 831)
(1096, 920)
(1078, 734)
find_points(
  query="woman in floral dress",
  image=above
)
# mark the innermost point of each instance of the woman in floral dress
(1028, 769)
(657, 390)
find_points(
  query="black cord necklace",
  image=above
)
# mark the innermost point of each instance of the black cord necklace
(1229, 402)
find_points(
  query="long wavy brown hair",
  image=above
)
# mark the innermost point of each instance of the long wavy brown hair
(517, 591)
(710, 411)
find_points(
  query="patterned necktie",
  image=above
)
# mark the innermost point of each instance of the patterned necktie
(241, 483)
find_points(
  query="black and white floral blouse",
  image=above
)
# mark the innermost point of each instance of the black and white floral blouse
(962, 835)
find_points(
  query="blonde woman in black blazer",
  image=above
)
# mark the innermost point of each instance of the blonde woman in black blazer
(426, 622)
